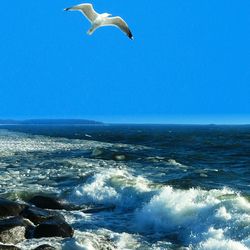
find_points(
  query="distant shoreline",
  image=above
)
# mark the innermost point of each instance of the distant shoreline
(50, 122)
(83, 122)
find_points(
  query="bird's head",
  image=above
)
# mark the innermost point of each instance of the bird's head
(106, 14)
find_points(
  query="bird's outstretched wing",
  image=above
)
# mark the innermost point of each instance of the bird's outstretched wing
(120, 23)
(87, 10)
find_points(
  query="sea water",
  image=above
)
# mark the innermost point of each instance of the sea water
(170, 187)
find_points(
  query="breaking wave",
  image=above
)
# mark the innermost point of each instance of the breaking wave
(141, 197)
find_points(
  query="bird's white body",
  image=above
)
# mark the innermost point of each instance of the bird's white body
(99, 20)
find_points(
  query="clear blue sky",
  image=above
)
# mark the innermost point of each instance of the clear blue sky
(189, 62)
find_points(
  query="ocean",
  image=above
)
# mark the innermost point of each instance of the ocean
(170, 186)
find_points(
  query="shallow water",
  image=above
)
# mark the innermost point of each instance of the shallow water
(173, 187)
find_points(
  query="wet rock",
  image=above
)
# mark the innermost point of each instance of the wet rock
(119, 157)
(8, 247)
(10, 208)
(44, 247)
(39, 215)
(108, 154)
(13, 230)
(54, 228)
(113, 154)
(97, 152)
(49, 203)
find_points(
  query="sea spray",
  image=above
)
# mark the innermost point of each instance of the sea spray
(196, 215)
(115, 186)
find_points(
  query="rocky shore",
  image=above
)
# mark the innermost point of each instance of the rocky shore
(37, 218)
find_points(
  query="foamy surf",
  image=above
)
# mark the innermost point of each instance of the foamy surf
(199, 218)
(116, 186)
(132, 196)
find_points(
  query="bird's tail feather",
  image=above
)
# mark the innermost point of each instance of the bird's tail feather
(91, 31)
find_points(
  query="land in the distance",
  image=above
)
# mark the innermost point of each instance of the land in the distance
(49, 122)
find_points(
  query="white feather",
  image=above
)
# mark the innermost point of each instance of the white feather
(99, 20)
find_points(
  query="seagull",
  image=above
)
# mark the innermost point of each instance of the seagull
(99, 20)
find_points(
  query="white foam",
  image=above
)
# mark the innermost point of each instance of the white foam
(217, 241)
(192, 212)
(175, 208)
(126, 241)
(114, 186)
(97, 189)
(34, 243)
(175, 163)
(92, 240)
(223, 213)
(75, 245)
(14, 142)
(213, 244)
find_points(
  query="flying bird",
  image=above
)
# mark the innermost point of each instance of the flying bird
(99, 20)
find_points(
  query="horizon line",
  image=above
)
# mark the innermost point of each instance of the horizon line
(63, 121)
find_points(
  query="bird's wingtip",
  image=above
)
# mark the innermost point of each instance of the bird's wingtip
(130, 36)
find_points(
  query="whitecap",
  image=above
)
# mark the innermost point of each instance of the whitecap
(114, 186)
(192, 212)
(217, 241)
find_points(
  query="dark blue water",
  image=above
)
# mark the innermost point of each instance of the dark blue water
(172, 186)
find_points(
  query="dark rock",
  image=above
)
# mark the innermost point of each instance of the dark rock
(10, 208)
(13, 230)
(46, 202)
(53, 228)
(49, 203)
(112, 154)
(38, 215)
(8, 247)
(45, 247)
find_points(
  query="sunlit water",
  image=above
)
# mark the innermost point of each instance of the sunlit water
(173, 187)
